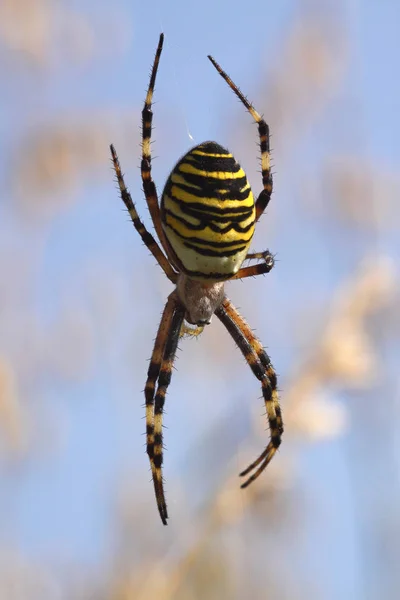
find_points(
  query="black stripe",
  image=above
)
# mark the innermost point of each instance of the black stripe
(207, 223)
(211, 147)
(196, 240)
(211, 188)
(272, 377)
(276, 441)
(273, 422)
(264, 147)
(207, 252)
(263, 131)
(225, 215)
(158, 461)
(209, 184)
(146, 132)
(226, 164)
(214, 275)
(187, 224)
(153, 371)
(233, 225)
(228, 194)
(193, 208)
(164, 379)
(145, 165)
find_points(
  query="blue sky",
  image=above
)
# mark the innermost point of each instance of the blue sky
(87, 261)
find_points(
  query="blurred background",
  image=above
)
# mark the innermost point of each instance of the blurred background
(80, 302)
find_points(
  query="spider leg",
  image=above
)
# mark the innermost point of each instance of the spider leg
(262, 368)
(263, 132)
(153, 373)
(147, 238)
(149, 186)
(160, 369)
(258, 269)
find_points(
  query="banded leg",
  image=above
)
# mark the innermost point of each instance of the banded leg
(164, 380)
(149, 186)
(263, 131)
(262, 368)
(258, 269)
(153, 374)
(261, 354)
(147, 238)
(160, 369)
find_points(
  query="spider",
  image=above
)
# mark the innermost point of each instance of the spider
(205, 223)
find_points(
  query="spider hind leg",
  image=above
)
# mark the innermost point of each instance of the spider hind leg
(262, 368)
(159, 373)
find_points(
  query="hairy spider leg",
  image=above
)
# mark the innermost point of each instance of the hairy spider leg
(258, 269)
(147, 238)
(149, 186)
(263, 131)
(262, 368)
(160, 371)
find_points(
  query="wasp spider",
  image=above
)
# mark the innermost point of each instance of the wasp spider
(205, 223)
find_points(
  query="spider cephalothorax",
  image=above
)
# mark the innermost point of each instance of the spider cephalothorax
(205, 224)
(200, 299)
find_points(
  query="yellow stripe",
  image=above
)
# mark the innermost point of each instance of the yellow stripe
(146, 151)
(175, 178)
(174, 209)
(200, 153)
(187, 168)
(242, 224)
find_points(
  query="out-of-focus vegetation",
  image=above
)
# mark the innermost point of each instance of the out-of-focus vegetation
(77, 319)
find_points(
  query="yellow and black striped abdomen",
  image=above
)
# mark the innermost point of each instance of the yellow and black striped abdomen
(208, 213)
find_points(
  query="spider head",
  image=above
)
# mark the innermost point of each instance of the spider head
(200, 299)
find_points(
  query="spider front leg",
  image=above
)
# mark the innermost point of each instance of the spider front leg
(262, 368)
(258, 269)
(263, 132)
(160, 369)
(147, 238)
(149, 187)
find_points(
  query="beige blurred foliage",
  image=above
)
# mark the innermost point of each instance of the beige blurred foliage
(14, 424)
(33, 30)
(39, 33)
(344, 357)
(54, 158)
(307, 74)
(20, 579)
(51, 163)
(363, 194)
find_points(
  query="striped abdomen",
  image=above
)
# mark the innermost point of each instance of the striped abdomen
(208, 213)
